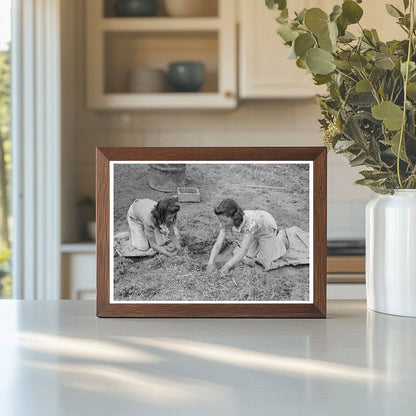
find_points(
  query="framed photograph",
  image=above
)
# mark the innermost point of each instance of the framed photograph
(211, 232)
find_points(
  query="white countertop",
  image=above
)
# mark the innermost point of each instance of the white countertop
(57, 359)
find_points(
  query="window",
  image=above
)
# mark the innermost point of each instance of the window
(5, 145)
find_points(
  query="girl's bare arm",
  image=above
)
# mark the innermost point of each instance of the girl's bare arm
(240, 254)
(216, 247)
(157, 247)
(174, 238)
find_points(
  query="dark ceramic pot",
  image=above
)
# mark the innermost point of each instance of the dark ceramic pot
(186, 76)
(135, 8)
(167, 177)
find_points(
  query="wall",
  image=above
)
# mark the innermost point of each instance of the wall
(256, 123)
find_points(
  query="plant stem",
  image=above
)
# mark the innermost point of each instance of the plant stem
(406, 79)
(345, 75)
(373, 89)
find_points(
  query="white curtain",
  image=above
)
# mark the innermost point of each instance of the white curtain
(36, 149)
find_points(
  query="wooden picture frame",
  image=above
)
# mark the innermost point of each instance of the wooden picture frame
(314, 308)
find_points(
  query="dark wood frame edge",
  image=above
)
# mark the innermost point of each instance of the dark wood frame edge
(317, 309)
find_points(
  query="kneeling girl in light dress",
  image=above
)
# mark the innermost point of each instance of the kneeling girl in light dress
(261, 241)
(152, 226)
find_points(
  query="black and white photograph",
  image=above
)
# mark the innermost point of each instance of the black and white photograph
(211, 232)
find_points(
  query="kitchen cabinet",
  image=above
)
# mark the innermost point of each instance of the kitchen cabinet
(78, 262)
(265, 70)
(118, 45)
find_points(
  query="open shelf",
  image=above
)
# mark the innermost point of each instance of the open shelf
(80, 247)
(116, 46)
(127, 51)
(160, 24)
(211, 9)
(130, 101)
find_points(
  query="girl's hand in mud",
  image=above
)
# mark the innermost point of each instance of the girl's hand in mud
(211, 268)
(225, 269)
(171, 253)
(170, 247)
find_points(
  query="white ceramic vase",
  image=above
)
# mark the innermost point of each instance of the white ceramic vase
(391, 253)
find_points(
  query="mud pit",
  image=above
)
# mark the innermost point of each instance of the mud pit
(282, 190)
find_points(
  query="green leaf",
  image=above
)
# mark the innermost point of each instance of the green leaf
(353, 130)
(316, 20)
(303, 43)
(377, 75)
(412, 67)
(382, 88)
(394, 144)
(385, 63)
(300, 17)
(358, 61)
(364, 181)
(343, 145)
(374, 150)
(351, 11)
(347, 37)
(343, 65)
(411, 90)
(375, 35)
(286, 32)
(396, 71)
(333, 32)
(321, 79)
(327, 40)
(358, 160)
(390, 113)
(319, 61)
(406, 4)
(336, 12)
(283, 17)
(324, 42)
(342, 25)
(363, 86)
(393, 11)
(301, 63)
(374, 175)
(361, 99)
(276, 4)
(368, 36)
(284, 14)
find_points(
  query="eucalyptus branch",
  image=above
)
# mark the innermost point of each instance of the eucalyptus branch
(406, 79)
(365, 61)
(345, 75)
(369, 41)
(373, 89)
(397, 95)
(392, 90)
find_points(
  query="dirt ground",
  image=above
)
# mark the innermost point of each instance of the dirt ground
(184, 278)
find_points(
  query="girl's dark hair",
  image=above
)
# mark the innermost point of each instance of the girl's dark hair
(162, 209)
(230, 208)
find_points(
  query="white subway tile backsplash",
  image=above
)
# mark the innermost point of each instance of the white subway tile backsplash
(271, 123)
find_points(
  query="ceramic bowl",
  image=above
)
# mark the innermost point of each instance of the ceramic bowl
(186, 76)
(147, 80)
(135, 8)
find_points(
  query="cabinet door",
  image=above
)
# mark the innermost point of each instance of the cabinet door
(265, 68)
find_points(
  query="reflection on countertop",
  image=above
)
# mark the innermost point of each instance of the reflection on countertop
(64, 360)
